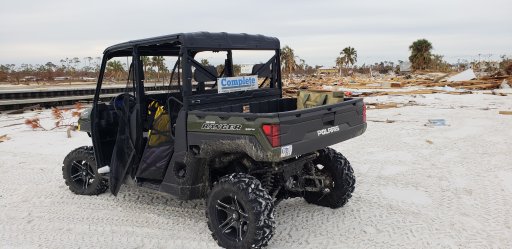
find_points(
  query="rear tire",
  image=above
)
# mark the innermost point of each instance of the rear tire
(240, 212)
(338, 168)
(80, 172)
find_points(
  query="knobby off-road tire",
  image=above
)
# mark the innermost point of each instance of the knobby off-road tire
(80, 172)
(338, 168)
(240, 212)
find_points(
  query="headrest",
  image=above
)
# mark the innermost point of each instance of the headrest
(200, 76)
(261, 70)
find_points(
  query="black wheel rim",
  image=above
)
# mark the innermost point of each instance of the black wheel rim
(232, 219)
(81, 174)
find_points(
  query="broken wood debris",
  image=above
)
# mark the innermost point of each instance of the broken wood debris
(4, 138)
(435, 80)
(382, 105)
(390, 105)
(382, 121)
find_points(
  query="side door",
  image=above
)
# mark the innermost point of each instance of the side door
(129, 141)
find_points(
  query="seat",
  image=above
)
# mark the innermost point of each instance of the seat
(159, 147)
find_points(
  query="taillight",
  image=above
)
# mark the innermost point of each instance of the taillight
(364, 113)
(272, 133)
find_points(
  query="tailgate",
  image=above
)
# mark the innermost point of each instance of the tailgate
(308, 130)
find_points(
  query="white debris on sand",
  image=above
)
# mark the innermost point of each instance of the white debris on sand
(467, 74)
(454, 192)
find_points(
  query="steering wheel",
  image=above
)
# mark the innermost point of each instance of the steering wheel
(119, 100)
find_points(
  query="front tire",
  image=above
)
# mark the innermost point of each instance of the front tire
(80, 172)
(240, 212)
(338, 169)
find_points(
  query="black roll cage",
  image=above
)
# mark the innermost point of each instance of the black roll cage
(185, 46)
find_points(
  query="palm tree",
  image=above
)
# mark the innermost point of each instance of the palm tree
(64, 65)
(76, 62)
(97, 64)
(220, 69)
(205, 62)
(340, 61)
(158, 62)
(146, 62)
(420, 54)
(116, 68)
(349, 56)
(88, 60)
(288, 63)
(49, 67)
(4, 72)
(302, 66)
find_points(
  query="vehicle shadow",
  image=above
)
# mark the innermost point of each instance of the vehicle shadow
(297, 222)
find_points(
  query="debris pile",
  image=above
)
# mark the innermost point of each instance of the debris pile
(419, 83)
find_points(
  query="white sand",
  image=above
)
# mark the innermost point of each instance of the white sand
(453, 193)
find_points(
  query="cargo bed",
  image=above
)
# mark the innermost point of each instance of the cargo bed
(300, 131)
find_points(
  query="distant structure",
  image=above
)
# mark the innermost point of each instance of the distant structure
(29, 78)
(87, 79)
(62, 78)
(405, 67)
(327, 70)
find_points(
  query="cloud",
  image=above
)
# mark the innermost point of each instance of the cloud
(38, 31)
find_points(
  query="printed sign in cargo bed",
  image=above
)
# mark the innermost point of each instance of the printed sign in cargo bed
(235, 84)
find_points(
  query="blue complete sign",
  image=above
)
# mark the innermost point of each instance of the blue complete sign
(240, 83)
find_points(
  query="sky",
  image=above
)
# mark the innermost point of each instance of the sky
(34, 31)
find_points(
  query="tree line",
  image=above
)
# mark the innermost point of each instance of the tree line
(73, 69)
(87, 68)
(421, 59)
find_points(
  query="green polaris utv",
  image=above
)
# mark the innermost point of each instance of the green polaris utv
(222, 133)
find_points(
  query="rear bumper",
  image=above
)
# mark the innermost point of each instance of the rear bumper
(212, 144)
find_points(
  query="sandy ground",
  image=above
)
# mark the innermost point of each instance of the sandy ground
(452, 192)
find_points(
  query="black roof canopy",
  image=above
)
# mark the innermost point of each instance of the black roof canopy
(170, 44)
